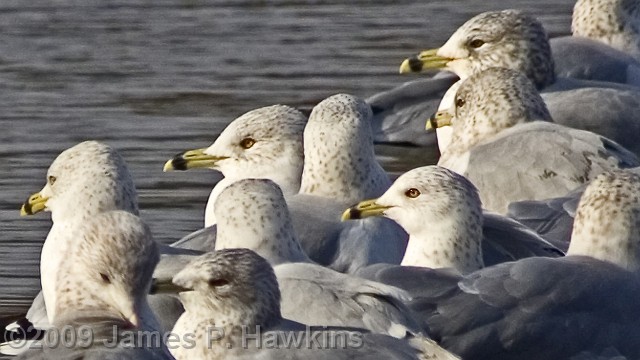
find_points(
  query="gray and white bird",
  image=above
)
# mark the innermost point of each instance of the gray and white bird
(253, 214)
(615, 23)
(517, 41)
(442, 212)
(232, 310)
(84, 181)
(503, 141)
(542, 307)
(101, 290)
(336, 167)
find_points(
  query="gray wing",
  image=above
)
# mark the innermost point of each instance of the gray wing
(350, 345)
(551, 218)
(612, 113)
(167, 309)
(97, 336)
(400, 114)
(505, 240)
(344, 246)
(536, 161)
(201, 240)
(583, 58)
(315, 295)
(425, 285)
(170, 265)
(540, 308)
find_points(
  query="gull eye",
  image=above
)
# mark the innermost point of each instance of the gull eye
(247, 143)
(52, 179)
(105, 278)
(218, 282)
(460, 102)
(476, 43)
(412, 193)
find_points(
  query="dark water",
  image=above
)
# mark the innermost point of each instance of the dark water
(152, 78)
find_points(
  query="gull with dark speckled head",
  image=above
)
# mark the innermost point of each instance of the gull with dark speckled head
(253, 214)
(612, 22)
(102, 291)
(598, 50)
(540, 308)
(340, 167)
(554, 308)
(336, 167)
(505, 144)
(514, 40)
(84, 181)
(234, 294)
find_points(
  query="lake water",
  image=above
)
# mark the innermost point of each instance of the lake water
(152, 78)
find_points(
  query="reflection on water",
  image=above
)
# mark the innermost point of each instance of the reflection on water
(152, 78)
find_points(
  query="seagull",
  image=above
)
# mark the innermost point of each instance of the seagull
(514, 40)
(336, 166)
(253, 214)
(442, 212)
(232, 310)
(540, 307)
(102, 294)
(83, 181)
(505, 143)
(615, 23)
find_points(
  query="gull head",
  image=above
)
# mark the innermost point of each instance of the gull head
(490, 102)
(339, 158)
(508, 38)
(110, 269)
(442, 213)
(236, 285)
(607, 222)
(422, 196)
(613, 22)
(86, 179)
(262, 143)
(253, 214)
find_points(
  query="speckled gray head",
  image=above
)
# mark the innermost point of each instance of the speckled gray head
(508, 38)
(607, 222)
(338, 151)
(235, 285)
(109, 269)
(86, 179)
(252, 213)
(613, 22)
(441, 211)
(492, 101)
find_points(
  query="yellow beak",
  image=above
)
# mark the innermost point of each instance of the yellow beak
(438, 120)
(34, 204)
(364, 209)
(192, 159)
(427, 59)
